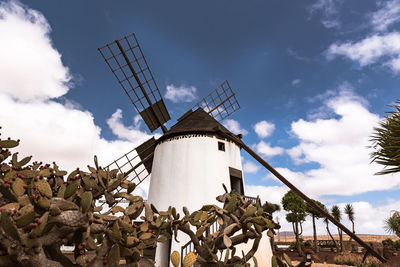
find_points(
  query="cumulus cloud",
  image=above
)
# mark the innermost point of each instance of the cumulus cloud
(386, 16)
(264, 128)
(180, 93)
(339, 145)
(329, 10)
(129, 133)
(31, 68)
(234, 127)
(383, 49)
(250, 167)
(49, 130)
(266, 150)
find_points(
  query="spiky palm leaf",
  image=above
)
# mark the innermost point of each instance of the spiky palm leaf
(336, 213)
(392, 224)
(386, 142)
(349, 211)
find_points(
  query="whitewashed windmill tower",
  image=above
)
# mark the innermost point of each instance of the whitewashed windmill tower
(190, 161)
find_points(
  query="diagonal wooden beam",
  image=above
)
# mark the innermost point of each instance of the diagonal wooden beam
(301, 194)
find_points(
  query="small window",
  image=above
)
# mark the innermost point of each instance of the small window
(221, 146)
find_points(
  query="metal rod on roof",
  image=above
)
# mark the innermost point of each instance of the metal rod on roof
(303, 196)
(163, 128)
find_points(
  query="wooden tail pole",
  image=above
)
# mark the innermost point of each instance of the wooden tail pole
(303, 196)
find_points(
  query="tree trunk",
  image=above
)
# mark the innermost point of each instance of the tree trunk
(315, 233)
(352, 224)
(340, 239)
(296, 233)
(334, 241)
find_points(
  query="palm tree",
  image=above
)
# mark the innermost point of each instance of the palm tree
(329, 232)
(315, 215)
(386, 145)
(337, 214)
(349, 211)
(392, 224)
(386, 142)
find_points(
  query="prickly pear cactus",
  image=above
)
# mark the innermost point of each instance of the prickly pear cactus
(43, 208)
(238, 221)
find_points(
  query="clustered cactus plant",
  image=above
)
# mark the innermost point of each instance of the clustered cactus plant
(42, 209)
(238, 221)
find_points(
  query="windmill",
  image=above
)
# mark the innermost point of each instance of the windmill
(191, 160)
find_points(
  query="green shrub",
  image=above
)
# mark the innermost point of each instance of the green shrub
(293, 244)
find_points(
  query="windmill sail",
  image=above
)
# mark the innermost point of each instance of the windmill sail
(125, 59)
(136, 163)
(220, 103)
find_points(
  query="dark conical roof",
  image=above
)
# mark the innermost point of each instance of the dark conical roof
(193, 122)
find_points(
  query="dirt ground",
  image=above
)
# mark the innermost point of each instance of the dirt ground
(327, 258)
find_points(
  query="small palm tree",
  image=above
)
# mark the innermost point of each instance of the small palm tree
(392, 224)
(337, 214)
(349, 211)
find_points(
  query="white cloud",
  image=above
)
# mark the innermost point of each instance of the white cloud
(340, 147)
(265, 149)
(181, 93)
(384, 49)
(234, 127)
(264, 128)
(250, 167)
(130, 133)
(329, 10)
(49, 130)
(296, 82)
(387, 15)
(271, 194)
(31, 68)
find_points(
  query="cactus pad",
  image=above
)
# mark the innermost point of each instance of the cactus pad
(114, 256)
(44, 202)
(71, 189)
(27, 216)
(175, 258)
(189, 259)
(8, 143)
(18, 187)
(8, 226)
(86, 201)
(44, 187)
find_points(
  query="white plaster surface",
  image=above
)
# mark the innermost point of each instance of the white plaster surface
(190, 172)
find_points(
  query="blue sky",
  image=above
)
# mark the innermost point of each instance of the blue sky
(312, 77)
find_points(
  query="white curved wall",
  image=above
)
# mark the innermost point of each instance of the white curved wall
(189, 171)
